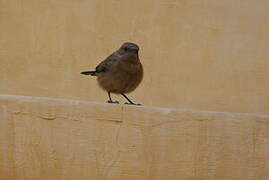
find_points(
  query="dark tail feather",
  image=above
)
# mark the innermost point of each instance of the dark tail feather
(92, 73)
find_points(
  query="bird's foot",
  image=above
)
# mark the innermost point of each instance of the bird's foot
(113, 102)
(133, 104)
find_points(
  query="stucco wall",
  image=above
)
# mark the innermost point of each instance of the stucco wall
(55, 139)
(209, 55)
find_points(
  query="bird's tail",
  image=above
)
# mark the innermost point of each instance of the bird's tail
(92, 73)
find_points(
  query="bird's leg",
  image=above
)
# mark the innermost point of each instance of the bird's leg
(130, 102)
(110, 100)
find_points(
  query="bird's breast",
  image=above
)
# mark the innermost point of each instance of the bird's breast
(123, 77)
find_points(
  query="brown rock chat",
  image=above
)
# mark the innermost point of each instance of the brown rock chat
(120, 73)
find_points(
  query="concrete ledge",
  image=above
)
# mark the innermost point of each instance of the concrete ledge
(45, 138)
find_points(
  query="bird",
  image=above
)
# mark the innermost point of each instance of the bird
(120, 73)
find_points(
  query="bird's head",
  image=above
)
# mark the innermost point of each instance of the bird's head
(129, 47)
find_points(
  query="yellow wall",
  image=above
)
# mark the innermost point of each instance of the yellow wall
(54, 139)
(210, 55)
(198, 55)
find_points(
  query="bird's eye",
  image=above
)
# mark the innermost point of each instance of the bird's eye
(125, 49)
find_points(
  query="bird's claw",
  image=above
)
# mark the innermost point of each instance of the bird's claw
(133, 104)
(114, 102)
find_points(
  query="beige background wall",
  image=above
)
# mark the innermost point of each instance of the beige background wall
(210, 55)
(197, 55)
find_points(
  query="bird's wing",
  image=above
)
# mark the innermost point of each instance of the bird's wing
(106, 64)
